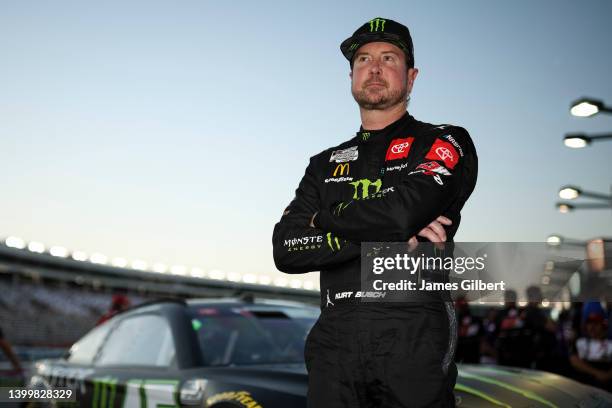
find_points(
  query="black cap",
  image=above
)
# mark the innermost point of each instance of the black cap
(380, 29)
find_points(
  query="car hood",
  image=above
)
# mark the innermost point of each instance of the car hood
(508, 386)
(477, 385)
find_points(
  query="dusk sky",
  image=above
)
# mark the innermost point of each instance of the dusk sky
(177, 132)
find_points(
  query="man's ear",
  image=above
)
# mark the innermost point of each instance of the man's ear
(411, 77)
(351, 74)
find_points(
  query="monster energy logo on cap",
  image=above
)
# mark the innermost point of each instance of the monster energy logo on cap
(377, 23)
(379, 29)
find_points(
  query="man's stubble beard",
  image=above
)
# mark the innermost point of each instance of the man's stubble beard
(380, 101)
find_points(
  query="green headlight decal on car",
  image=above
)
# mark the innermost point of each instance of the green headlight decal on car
(484, 396)
(527, 394)
(196, 324)
(138, 393)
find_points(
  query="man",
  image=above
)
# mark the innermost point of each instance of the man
(119, 303)
(592, 354)
(470, 333)
(10, 354)
(396, 179)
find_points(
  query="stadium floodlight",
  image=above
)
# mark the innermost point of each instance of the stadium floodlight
(576, 141)
(569, 192)
(15, 242)
(280, 282)
(197, 273)
(308, 285)
(264, 279)
(139, 264)
(216, 274)
(79, 256)
(119, 262)
(573, 192)
(58, 251)
(37, 247)
(564, 208)
(178, 270)
(98, 258)
(295, 283)
(556, 240)
(249, 278)
(159, 267)
(234, 276)
(580, 140)
(586, 107)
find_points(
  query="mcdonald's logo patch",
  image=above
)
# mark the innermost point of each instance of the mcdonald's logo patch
(342, 169)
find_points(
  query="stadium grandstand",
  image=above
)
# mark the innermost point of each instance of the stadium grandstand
(49, 298)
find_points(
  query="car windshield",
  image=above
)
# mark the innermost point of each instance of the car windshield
(252, 335)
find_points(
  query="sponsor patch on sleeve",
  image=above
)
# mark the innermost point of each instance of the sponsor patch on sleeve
(399, 148)
(432, 168)
(444, 151)
(344, 155)
(451, 139)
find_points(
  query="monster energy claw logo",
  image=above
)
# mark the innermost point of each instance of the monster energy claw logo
(365, 187)
(331, 241)
(340, 207)
(377, 24)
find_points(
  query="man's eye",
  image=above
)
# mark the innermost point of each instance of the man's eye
(388, 58)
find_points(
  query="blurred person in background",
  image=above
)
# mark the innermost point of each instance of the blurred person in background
(508, 317)
(512, 344)
(609, 317)
(469, 333)
(592, 354)
(10, 354)
(119, 303)
(565, 337)
(533, 315)
(540, 332)
(488, 353)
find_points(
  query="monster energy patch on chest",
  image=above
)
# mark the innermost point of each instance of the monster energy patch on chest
(344, 155)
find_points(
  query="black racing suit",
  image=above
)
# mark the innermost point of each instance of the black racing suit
(383, 185)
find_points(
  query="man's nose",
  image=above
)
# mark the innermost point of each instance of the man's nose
(375, 67)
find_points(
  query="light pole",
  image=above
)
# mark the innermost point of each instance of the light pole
(558, 240)
(586, 107)
(573, 192)
(580, 140)
(565, 208)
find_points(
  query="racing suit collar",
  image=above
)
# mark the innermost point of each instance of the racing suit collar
(364, 135)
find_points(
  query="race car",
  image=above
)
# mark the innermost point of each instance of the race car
(231, 353)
